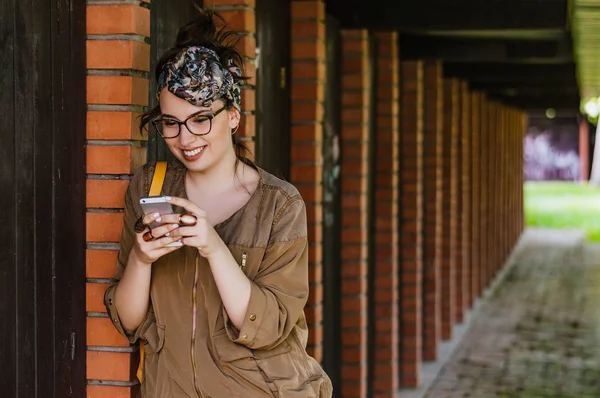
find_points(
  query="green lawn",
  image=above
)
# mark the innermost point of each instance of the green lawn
(563, 205)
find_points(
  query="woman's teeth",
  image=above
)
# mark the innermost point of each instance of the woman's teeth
(194, 152)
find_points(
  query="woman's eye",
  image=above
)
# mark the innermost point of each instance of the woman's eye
(169, 123)
(199, 120)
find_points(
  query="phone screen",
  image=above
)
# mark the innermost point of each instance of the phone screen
(157, 204)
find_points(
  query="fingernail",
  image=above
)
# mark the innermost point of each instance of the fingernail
(167, 234)
(156, 215)
(167, 197)
(159, 219)
(175, 225)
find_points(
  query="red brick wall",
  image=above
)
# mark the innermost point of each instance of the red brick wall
(502, 189)
(411, 211)
(475, 191)
(308, 92)
(486, 249)
(459, 308)
(465, 122)
(483, 194)
(497, 222)
(432, 202)
(354, 137)
(386, 237)
(492, 199)
(449, 206)
(115, 96)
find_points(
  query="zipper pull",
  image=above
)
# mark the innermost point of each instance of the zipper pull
(244, 256)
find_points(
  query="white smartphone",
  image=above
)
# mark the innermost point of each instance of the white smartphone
(158, 204)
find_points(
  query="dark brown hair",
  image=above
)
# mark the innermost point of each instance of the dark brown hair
(207, 30)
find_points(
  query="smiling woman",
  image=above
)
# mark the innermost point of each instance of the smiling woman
(222, 313)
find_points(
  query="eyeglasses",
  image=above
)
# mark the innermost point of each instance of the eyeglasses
(199, 125)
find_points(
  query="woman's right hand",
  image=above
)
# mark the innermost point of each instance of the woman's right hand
(150, 251)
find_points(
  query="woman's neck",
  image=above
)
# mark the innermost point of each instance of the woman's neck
(218, 179)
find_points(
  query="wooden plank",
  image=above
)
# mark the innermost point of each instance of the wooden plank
(272, 98)
(68, 38)
(24, 102)
(165, 20)
(8, 314)
(40, 57)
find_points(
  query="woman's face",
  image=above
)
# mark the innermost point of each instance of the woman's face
(200, 153)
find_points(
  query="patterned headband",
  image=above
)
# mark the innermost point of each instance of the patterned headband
(197, 76)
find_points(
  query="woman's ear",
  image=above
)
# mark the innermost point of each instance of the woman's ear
(234, 118)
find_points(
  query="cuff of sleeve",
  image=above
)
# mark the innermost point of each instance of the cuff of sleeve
(113, 314)
(249, 334)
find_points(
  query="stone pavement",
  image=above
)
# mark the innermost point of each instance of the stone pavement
(538, 333)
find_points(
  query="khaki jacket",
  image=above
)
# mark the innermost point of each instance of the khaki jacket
(267, 357)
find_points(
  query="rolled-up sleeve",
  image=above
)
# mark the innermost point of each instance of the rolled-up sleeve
(280, 290)
(125, 246)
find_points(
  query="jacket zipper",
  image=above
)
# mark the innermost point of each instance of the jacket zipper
(194, 317)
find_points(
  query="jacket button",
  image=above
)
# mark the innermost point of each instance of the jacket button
(252, 317)
(115, 320)
(245, 337)
(109, 301)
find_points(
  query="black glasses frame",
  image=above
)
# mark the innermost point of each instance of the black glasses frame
(208, 116)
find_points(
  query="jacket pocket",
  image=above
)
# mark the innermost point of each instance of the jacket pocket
(290, 372)
(155, 339)
(156, 378)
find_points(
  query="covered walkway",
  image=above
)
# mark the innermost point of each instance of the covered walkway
(401, 124)
(537, 332)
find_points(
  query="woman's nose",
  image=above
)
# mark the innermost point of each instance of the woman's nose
(185, 137)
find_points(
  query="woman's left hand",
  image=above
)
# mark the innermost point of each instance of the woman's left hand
(202, 235)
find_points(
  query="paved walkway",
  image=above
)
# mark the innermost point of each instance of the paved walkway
(538, 334)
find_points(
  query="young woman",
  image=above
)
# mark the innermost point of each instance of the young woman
(222, 315)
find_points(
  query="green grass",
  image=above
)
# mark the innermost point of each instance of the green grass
(563, 205)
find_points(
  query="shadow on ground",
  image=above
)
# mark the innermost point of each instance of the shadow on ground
(538, 334)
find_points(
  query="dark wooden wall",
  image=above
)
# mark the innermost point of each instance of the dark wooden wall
(273, 118)
(166, 17)
(42, 199)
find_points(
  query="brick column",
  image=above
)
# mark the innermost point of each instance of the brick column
(514, 203)
(458, 253)
(522, 131)
(449, 206)
(411, 229)
(499, 214)
(498, 194)
(116, 94)
(386, 292)
(475, 192)
(483, 193)
(240, 17)
(491, 199)
(432, 207)
(466, 192)
(505, 166)
(308, 91)
(355, 136)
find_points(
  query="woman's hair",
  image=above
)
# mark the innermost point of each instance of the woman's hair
(207, 30)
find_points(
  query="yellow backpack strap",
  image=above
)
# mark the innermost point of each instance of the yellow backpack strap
(158, 180)
(140, 371)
